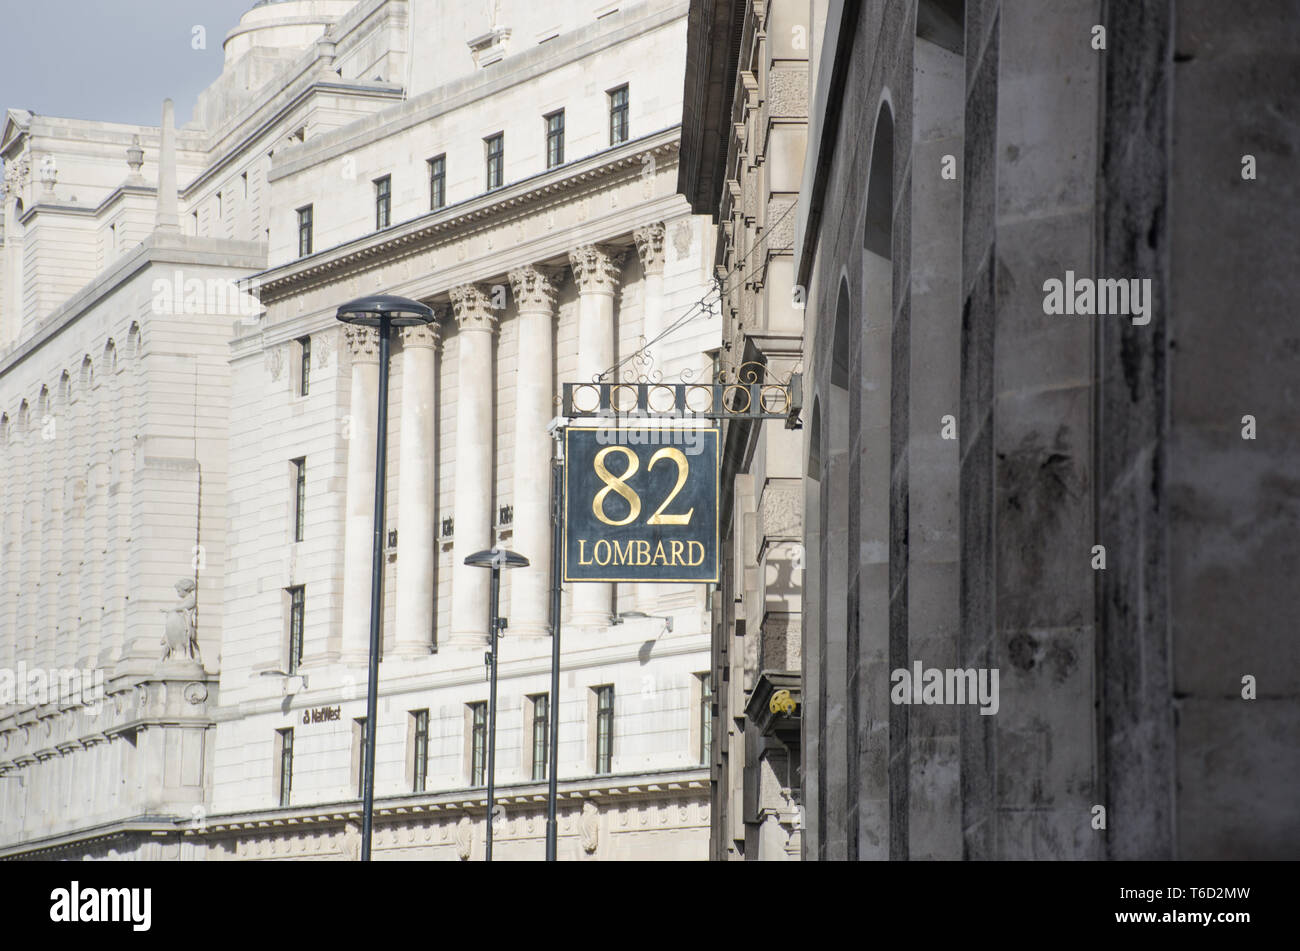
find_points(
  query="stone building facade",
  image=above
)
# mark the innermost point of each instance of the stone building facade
(527, 191)
(995, 482)
(744, 137)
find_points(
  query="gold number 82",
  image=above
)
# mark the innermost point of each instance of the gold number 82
(618, 485)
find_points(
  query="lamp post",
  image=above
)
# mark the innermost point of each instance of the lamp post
(383, 312)
(496, 559)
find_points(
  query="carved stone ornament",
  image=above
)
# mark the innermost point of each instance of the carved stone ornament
(590, 827)
(650, 247)
(196, 693)
(421, 335)
(596, 268)
(464, 837)
(275, 362)
(472, 306)
(683, 238)
(16, 173)
(363, 342)
(535, 287)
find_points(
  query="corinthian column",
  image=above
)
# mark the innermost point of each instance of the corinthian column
(358, 537)
(650, 248)
(415, 522)
(534, 289)
(596, 270)
(472, 305)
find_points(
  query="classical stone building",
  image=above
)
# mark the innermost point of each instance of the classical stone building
(744, 135)
(526, 189)
(1099, 505)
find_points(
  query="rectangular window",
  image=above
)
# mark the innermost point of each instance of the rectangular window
(297, 608)
(706, 718)
(284, 754)
(478, 744)
(555, 139)
(437, 182)
(361, 733)
(304, 365)
(421, 751)
(604, 728)
(299, 497)
(383, 202)
(304, 231)
(541, 735)
(618, 115)
(496, 149)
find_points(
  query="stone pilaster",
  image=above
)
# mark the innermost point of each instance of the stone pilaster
(596, 270)
(474, 476)
(416, 535)
(358, 538)
(534, 290)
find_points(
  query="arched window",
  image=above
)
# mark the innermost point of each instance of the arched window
(110, 356)
(87, 374)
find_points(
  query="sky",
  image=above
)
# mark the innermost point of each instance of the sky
(111, 60)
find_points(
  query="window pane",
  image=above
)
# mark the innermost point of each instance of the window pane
(437, 182)
(604, 728)
(478, 753)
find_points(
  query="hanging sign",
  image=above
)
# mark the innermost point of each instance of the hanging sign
(640, 504)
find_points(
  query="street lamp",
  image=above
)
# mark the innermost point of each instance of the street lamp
(496, 559)
(384, 312)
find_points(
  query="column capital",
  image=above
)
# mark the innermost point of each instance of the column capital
(421, 335)
(650, 247)
(535, 287)
(472, 306)
(363, 343)
(596, 268)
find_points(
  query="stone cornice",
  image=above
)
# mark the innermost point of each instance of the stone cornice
(566, 183)
(663, 784)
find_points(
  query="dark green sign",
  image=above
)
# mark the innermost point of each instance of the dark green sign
(640, 504)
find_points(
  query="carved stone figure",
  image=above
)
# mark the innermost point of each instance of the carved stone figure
(351, 845)
(590, 827)
(180, 639)
(464, 837)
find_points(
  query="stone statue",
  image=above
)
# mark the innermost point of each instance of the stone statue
(589, 826)
(180, 639)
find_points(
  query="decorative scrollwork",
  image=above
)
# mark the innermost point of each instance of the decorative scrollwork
(747, 374)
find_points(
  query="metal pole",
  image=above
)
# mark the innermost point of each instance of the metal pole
(376, 592)
(492, 705)
(557, 542)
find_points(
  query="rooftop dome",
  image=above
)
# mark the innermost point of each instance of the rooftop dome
(282, 24)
